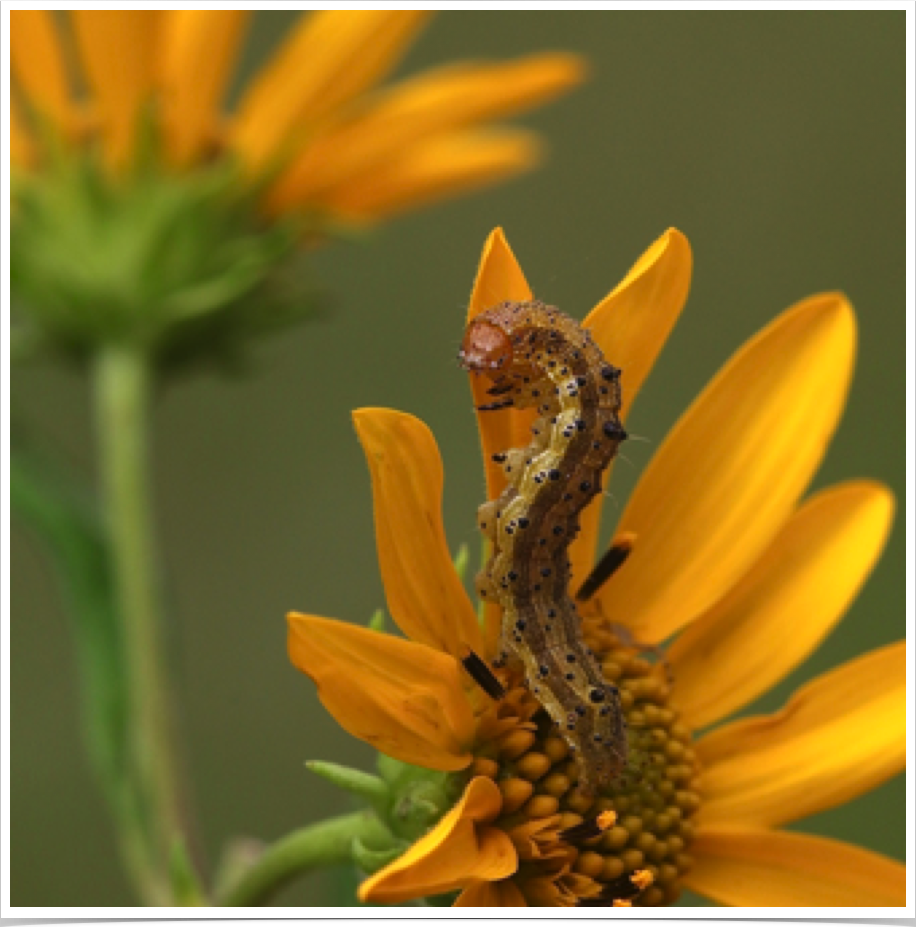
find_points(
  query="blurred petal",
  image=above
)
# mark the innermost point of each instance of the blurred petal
(631, 326)
(773, 869)
(434, 103)
(480, 894)
(199, 48)
(730, 472)
(434, 170)
(331, 57)
(839, 736)
(458, 849)
(37, 64)
(118, 50)
(404, 699)
(425, 595)
(778, 613)
(21, 147)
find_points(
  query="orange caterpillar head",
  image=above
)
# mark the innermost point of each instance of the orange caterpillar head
(485, 348)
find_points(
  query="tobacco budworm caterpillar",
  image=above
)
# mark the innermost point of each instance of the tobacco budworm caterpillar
(538, 357)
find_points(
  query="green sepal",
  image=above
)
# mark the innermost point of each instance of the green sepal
(419, 797)
(182, 265)
(370, 859)
(368, 787)
(462, 559)
(377, 621)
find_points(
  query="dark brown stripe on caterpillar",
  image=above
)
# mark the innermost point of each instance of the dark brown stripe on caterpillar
(538, 357)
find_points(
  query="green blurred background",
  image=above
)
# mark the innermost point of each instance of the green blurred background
(774, 141)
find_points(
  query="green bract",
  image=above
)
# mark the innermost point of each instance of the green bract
(175, 265)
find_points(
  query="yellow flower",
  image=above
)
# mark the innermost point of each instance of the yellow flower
(746, 576)
(312, 127)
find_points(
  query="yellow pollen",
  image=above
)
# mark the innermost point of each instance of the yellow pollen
(626, 845)
(642, 879)
(607, 819)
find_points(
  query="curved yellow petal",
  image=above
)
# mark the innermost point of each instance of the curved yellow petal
(774, 869)
(436, 102)
(37, 64)
(729, 474)
(499, 278)
(425, 596)
(459, 849)
(838, 737)
(779, 612)
(481, 894)
(631, 325)
(199, 48)
(403, 698)
(118, 50)
(433, 170)
(331, 57)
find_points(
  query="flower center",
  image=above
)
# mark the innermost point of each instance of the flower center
(629, 842)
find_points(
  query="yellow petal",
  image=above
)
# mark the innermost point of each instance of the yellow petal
(460, 848)
(331, 57)
(425, 595)
(778, 613)
(730, 473)
(118, 50)
(433, 170)
(838, 737)
(631, 326)
(480, 894)
(21, 147)
(774, 869)
(499, 277)
(436, 102)
(198, 51)
(403, 698)
(37, 64)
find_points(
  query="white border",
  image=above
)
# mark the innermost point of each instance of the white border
(185, 915)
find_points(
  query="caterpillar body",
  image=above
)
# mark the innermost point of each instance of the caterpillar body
(536, 356)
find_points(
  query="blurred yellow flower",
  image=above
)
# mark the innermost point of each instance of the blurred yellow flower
(313, 127)
(747, 577)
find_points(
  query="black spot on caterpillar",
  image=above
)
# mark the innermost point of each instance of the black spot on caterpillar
(537, 356)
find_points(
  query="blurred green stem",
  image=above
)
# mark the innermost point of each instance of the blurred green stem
(122, 382)
(327, 843)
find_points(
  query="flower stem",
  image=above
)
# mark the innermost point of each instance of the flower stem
(122, 382)
(327, 843)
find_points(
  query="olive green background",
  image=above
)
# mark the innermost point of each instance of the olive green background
(774, 141)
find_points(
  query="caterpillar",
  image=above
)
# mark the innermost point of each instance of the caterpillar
(536, 356)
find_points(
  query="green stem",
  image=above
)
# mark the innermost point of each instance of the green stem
(122, 386)
(327, 843)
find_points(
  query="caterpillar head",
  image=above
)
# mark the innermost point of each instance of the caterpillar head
(485, 348)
